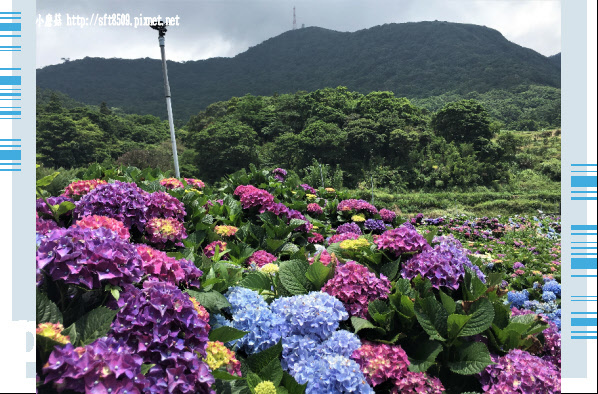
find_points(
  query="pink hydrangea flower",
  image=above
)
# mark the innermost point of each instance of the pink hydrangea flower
(251, 196)
(260, 258)
(80, 188)
(387, 215)
(418, 382)
(325, 258)
(162, 231)
(314, 209)
(380, 362)
(171, 183)
(342, 237)
(401, 240)
(357, 205)
(195, 183)
(160, 267)
(210, 249)
(97, 221)
(355, 286)
(316, 238)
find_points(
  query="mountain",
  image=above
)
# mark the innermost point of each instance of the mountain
(413, 60)
(556, 59)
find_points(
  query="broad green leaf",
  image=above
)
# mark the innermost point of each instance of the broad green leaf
(318, 274)
(448, 303)
(223, 375)
(211, 300)
(292, 276)
(473, 287)
(266, 363)
(272, 372)
(362, 324)
(252, 381)
(379, 311)
(45, 181)
(94, 324)
(432, 316)
(481, 318)
(65, 207)
(46, 344)
(403, 286)
(430, 236)
(390, 269)
(494, 279)
(470, 358)
(456, 324)
(291, 384)
(146, 367)
(45, 310)
(226, 334)
(256, 281)
(424, 356)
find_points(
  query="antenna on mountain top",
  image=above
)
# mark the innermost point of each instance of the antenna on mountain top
(161, 27)
(294, 19)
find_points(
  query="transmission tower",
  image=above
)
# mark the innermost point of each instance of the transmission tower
(294, 19)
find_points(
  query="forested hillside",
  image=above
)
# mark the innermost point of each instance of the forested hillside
(413, 60)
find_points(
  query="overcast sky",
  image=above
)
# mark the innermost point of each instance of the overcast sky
(224, 28)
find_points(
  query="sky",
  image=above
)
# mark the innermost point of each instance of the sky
(225, 28)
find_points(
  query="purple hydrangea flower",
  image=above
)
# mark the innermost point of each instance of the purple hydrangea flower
(279, 174)
(401, 240)
(42, 208)
(375, 225)
(387, 215)
(88, 257)
(357, 205)
(348, 228)
(308, 188)
(122, 201)
(162, 205)
(160, 267)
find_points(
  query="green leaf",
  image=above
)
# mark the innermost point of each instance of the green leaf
(252, 381)
(292, 276)
(430, 236)
(45, 181)
(455, 325)
(481, 318)
(231, 387)
(403, 286)
(114, 290)
(318, 274)
(473, 287)
(71, 332)
(448, 303)
(45, 344)
(212, 300)
(432, 316)
(65, 207)
(471, 358)
(291, 384)
(266, 364)
(256, 281)
(226, 334)
(272, 372)
(424, 356)
(146, 367)
(494, 279)
(379, 311)
(223, 375)
(362, 324)
(45, 310)
(94, 324)
(390, 269)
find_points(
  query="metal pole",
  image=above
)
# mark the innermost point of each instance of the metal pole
(169, 107)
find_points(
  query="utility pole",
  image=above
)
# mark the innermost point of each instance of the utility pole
(161, 27)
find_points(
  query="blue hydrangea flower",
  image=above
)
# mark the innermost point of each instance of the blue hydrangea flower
(552, 286)
(517, 298)
(341, 342)
(548, 296)
(297, 348)
(335, 374)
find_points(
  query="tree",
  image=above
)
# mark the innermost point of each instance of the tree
(465, 121)
(104, 109)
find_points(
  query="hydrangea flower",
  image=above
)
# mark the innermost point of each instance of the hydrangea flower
(171, 183)
(357, 205)
(314, 209)
(518, 265)
(294, 214)
(308, 188)
(418, 382)
(342, 237)
(316, 314)
(354, 244)
(265, 387)
(359, 218)
(278, 208)
(95, 221)
(334, 374)
(210, 249)
(324, 257)
(122, 201)
(163, 205)
(251, 197)
(195, 183)
(260, 258)
(316, 238)
(226, 231)
(44, 211)
(279, 174)
(105, 365)
(53, 331)
(44, 226)
(552, 286)
(348, 228)
(517, 298)
(159, 266)
(202, 312)
(251, 313)
(387, 215)
(88, 257)
(160, 324)
(219, 355)
(270, 269)
(356, 286)
(552, 345)
(444, 265)
(520, 372)
(548, 296)
(80, 188)
(380, 362)
(375, 226)
(163, 231)
(401, 240)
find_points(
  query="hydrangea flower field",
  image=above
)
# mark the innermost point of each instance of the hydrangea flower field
(264, 285)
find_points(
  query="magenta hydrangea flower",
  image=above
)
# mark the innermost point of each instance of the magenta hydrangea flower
(80, 188)
(355, 286)
(520, 372)
(162, 231)
(122, 201)
(387, 215)
(44, 211)
(418, 382)
(163, 205)
(552, 345)
(342, 237)
(251, 197)
(357, 205)
(278, 209)
(348, 228)
(316, 238)
(88, 257)
(380, 362)
(210, 249)
(280, 174)
(324, 258)
(294, 214)
(518, 265)
(95, 221)
(44, 226)
(159, 266)
(444, 265)
(401, 240)
(105, 365)
(260, 258)
(308, 188)
(314, 209)
(195, 183)
(171, 183)
(159, 322)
